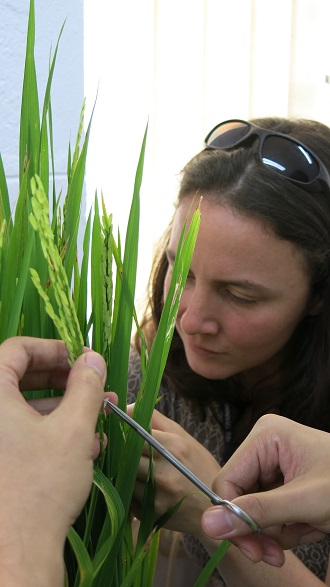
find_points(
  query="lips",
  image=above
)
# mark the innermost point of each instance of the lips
(202, 351)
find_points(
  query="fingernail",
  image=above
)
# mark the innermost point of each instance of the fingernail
(218, 522)
(249, 554)
(96, 362)
(274, 561)
(273, 556)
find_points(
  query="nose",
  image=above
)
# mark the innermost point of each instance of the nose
(196, 315)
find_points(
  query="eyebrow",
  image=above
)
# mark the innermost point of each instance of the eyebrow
(243, 283)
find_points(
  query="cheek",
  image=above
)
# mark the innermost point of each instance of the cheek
(263, 331)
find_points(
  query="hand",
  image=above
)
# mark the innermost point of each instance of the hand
(46, 461)
(286, 468)
(171, 485)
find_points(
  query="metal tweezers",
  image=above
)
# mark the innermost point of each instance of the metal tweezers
(215, 499)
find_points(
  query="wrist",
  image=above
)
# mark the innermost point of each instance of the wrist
(31, 562)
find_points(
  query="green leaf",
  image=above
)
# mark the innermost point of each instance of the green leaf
(122, 335)
(73, 206)
(116, 515)
(218, 554)
(43, 160)
(97, 285)
(149, 563)
(105, 560)
(10, 269)
(30, 119)
(148, 505)
(5, 212)
(17, 301)
(82, 295)
(122, 323)
(136, 567)
(85, 565)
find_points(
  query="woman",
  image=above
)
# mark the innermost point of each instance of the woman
(252, 329)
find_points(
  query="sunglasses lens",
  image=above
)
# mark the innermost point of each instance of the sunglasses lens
(289, 159)
(227, 134)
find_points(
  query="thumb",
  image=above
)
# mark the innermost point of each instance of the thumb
(85, 388)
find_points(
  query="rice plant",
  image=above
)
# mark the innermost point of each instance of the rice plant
(44, 292)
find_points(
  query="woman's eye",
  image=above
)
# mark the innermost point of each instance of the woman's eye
(239, 299)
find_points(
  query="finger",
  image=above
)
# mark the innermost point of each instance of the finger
(220, 522)
(263, 507)
(143, 470)
(45, 406)
(267, 546)
(111, 396)
(158, 421)
(84, 394)
(130, 409)
(97, 444)
(244, 474)
(261, 548)
(295, 534)
(260, 462)
(32, 361)
(163, 423)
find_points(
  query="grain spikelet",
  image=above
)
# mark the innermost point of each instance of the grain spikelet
(66, 320)
(107, 282)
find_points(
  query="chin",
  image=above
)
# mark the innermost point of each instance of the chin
(210, 371)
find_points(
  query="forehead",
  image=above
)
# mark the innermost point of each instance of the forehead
(238, 245)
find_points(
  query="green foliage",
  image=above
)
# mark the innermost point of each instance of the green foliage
(44, 292)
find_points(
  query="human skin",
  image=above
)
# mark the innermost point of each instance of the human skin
(247, 290)
(245, 294)
(46, 461)
(283, 467)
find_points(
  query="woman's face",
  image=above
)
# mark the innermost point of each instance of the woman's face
(246, 292)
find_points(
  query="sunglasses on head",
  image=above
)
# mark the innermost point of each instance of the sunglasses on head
(278, 152)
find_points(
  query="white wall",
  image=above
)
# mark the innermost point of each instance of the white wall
(68, 86)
